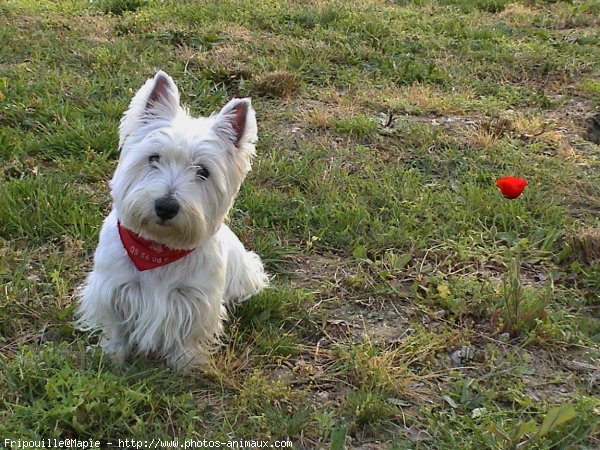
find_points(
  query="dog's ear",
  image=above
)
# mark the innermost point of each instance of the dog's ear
(236, 122)
(155, 104)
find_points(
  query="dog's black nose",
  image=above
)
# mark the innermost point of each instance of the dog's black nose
(166, 207)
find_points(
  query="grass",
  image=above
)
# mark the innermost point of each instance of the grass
(412, 306)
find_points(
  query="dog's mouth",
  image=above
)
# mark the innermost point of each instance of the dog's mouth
(158, 221)
(172, 232)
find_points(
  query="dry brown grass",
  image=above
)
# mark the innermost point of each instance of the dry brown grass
(518, 14)
(277, 84)
(585, 245)
(417, 99)
(318, 119)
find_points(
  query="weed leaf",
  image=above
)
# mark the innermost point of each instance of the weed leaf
(338, 438)
(556, 416)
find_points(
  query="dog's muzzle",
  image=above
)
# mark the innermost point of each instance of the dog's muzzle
(166, 207)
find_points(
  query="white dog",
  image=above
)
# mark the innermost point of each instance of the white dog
(166, 265)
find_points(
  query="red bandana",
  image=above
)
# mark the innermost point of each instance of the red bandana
(147, 254)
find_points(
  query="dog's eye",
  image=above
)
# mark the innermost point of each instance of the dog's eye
(202, 173)
(153, 159)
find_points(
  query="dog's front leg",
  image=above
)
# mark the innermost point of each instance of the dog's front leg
(193, 325)
(118, 320)
(115, 342)
(102, 308)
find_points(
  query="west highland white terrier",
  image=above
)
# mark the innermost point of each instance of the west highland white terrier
(166, 265)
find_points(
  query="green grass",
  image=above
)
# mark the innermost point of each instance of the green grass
(412, 306)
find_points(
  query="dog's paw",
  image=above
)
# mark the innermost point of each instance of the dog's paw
(189, 360)
(116, 351)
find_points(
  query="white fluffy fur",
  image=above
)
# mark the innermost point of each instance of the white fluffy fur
(174, 311)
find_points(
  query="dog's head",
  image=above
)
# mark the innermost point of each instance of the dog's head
(178, 175)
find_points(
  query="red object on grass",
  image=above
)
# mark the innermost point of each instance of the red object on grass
(511, 187)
